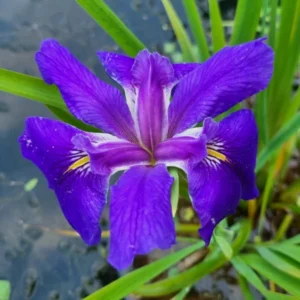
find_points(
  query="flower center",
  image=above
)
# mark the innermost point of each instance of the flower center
(78, 163)
(216, 154)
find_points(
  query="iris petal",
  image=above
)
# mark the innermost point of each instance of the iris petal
(226, 175)
(140, 214)
(152, 75)
(228, 77)
(81, 194)
(88, 98)
(118, 67)
(181, 151)
(109, 154)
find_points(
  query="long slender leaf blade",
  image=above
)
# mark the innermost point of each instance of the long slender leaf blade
(243, 269)
(246, 21)
(288, 250)
(31, 88)
(273, 22)
(213, 261)
(128, 283)
(289, 283)
(182, 36)
(289, 129)
(196, 26)
(113, 25)
(286, 54)
(244, 286)
(279, 262)
(181, 295)
(217, 31)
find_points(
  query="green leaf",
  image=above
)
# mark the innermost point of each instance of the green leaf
(289, 129)
(280, 262)
(36, 89)
(181, 35)
(246, 21)
(31, 88)
(112, 25)
(4, 290)
(181, 295)
(245, 289)
(291, 251)
(131, 281)
(174, 191)
(286, 60)
(289, 283)
(30, 185)
(217, 32)
(223, 238)
(249, 275)
(224, 245)
(212, 262)
(273, 22)
(196, 26)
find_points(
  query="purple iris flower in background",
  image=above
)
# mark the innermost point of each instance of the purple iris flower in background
(146, 132)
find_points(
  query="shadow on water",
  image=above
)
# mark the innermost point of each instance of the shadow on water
(39, 262)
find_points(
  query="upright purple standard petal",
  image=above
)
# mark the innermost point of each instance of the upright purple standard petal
(88, 98)
(140, 214)
(118, 67)
(226, 175)
(81, 194)
(153, 77)
(230, 76)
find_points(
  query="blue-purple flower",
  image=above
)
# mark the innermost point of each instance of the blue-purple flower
(148, 130)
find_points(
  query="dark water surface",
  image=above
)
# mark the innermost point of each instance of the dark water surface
(39, 262)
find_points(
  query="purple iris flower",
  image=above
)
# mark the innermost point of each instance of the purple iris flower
(146, 132)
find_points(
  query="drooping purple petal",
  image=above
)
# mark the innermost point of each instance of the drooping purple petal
(109, 154)
(81, 194)
(88, 98)
(231, 75)
(237, 137)
(140, 214)
(181, 151)
(152, 78)
(215, 191)
(226, 175)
